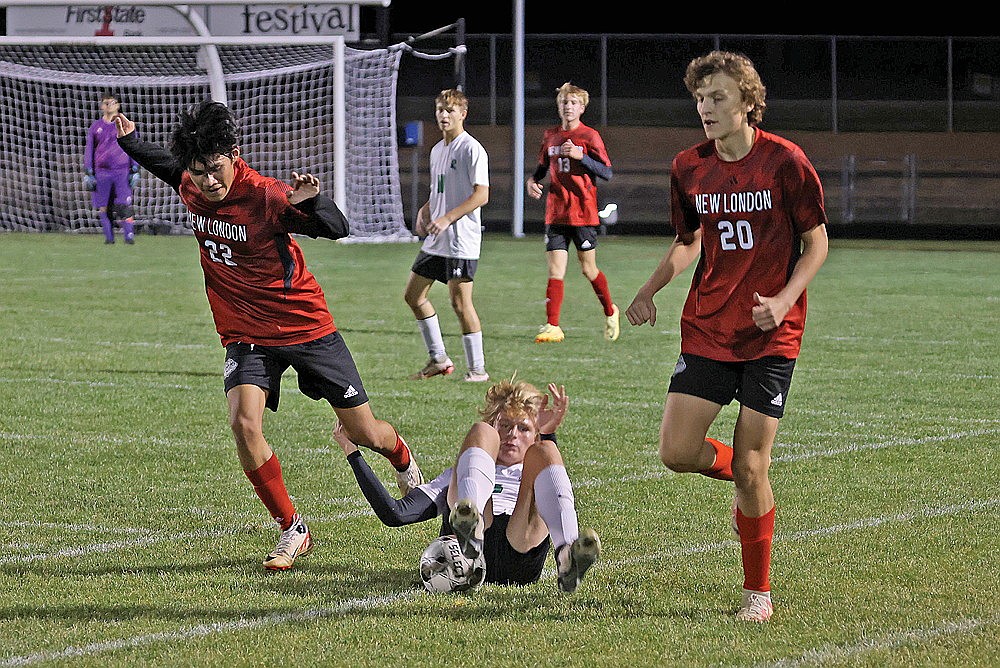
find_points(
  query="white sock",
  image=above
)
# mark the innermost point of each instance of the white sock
(430, 329)
(555, 503)
(475, 360)
(475, 476)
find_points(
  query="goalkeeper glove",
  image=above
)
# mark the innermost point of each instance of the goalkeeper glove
(89, 182)
(133, 178)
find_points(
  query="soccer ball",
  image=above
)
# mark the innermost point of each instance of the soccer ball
(444, 569)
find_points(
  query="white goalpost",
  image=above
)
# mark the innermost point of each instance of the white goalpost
(304, 104)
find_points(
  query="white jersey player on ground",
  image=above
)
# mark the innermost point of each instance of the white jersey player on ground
(451, 222)
(508, 496)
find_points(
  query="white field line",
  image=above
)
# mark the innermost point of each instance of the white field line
(81, 528)
(118, 344)
(807, 534)
(799, 456)
(93, 383)
(580, 483)
(88, 438)
(205, 630)
(375, 602)
(148, 537)
(839, 654)
(890, 443)
(114, 546)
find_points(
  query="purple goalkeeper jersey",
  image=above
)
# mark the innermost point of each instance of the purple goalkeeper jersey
(103, 152)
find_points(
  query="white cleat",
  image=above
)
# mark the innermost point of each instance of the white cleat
(295, 542)
(756, 607)
(411, 478)
(443, 368)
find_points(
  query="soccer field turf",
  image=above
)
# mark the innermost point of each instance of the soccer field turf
(133, 537)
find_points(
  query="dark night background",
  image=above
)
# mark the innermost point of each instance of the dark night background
(413, 17)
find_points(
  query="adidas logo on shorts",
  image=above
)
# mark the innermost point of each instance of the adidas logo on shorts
(351, 392)
(231, 365)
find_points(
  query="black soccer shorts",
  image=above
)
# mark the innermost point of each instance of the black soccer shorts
(559, 237)
(760, 384)
(325, 368)
(443, 269)
(504, 564)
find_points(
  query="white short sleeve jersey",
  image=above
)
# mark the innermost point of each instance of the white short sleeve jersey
(455, 169)
(508, 482)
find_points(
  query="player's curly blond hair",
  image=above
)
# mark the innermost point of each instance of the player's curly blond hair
(513, 398)
(568, 89)
(740, 68)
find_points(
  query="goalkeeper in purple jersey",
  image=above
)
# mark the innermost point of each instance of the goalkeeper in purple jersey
(110, 173)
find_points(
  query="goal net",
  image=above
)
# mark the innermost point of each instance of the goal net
(283, 96)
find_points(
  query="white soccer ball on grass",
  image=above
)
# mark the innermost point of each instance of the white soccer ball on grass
(444, 569)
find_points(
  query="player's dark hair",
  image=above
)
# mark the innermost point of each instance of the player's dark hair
(110, 95)
(737, 66)
(207, 131)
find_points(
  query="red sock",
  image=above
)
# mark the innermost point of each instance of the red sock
(756, 534)
(400, 455)
(270, 487)
(600, 285)
(553, 300)
(722, 469)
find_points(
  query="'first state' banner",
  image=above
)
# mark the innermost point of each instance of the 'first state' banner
(291, 20)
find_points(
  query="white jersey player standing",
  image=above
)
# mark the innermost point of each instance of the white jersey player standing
(451, 222)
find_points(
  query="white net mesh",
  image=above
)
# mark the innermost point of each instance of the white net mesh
(282, 95)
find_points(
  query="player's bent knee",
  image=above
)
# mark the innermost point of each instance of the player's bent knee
(544, 453)
(482, 435)
(678, 459)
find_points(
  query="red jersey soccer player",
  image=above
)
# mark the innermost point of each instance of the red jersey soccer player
(750, 206)
(268, 308)
(575, 157)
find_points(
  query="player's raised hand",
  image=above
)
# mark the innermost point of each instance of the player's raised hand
(304, 186)
(552, 413)
(124, 125)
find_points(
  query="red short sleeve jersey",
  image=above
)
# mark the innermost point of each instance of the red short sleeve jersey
(572, 197)
(255, 275)
(751, 213)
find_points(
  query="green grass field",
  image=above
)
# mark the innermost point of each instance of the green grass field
(133, 538)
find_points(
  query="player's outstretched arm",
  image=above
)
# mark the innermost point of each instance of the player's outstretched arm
(154, 159)
(313, 214)
(412, 508)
